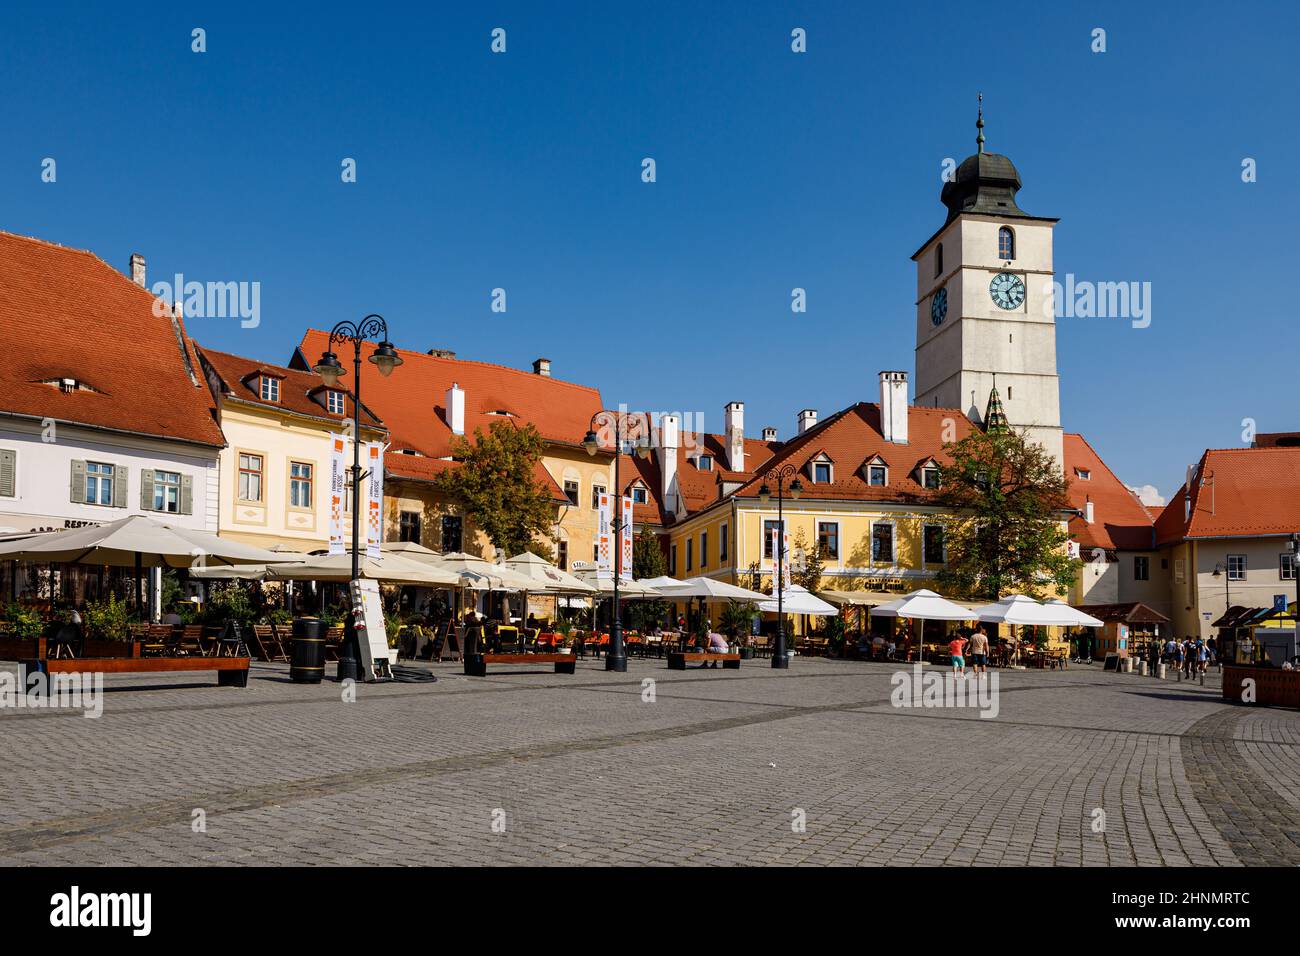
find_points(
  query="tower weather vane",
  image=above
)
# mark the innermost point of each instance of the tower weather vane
(979, 124)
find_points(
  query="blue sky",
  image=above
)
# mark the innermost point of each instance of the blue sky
(775, 170)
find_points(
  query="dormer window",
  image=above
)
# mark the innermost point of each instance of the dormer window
(876, 471)
(930, 478)
(822, 469)
(705, 463)
(1083, 474)
(639, 494)
(270, 389)
(336, 403)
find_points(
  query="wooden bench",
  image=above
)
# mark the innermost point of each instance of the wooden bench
(677, 659)
(476, 664)
(231, 671)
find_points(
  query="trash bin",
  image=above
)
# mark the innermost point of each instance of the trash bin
(307, 660)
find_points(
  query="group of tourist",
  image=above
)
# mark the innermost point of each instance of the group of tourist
(978, 645)
(1190, 656)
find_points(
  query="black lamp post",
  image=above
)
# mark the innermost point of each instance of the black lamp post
(780, 657)
(386, 359)
(616, 659)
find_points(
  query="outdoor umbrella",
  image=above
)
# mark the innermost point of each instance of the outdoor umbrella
(1019, 609)
(663, 581)
(480, 574)
(924, 605)
(798, 600)
(630, 590)
(711, 590)
(247, 572)
(546, 576)
(136, 541)
(1078, 618)
(389, 569)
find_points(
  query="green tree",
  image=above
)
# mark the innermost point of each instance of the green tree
(807, 573)
(496, 485)
(647, 562)
(1008, 535)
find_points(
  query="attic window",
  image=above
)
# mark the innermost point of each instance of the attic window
(503, 413)
(704, 463)
(1083, 474)
(639, 494)
(822, 470)
(877, 475)
(336, 403)
(68, 385)
(270, 389)
(930, 477)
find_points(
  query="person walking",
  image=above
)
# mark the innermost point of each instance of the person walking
(979, 652)
(957, 648)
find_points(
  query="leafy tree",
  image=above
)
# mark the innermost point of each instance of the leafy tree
(496, 486)
(647, 562)
(1008, 537)
(807, 573)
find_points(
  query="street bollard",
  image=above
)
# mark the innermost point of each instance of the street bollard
(1164, 669)
(1142, 668)
(1202, 678)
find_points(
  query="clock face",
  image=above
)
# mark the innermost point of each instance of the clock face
(939, 307)
(1008, 290)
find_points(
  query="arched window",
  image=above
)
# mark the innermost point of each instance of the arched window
(938, 260)
(1006, 243)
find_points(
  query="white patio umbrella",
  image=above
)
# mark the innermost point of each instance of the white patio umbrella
(389, 569)
(798, 600)
(1080, 618)
(546, 577)
(479, 574)
(711, 590)
(135, 541)
(1020, 609)
(627, 590)
(924, 605)
(248, 572)
(663, 581)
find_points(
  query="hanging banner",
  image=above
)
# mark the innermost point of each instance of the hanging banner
(336, 493)
(375, 504)
(625, 533)
(604, 538)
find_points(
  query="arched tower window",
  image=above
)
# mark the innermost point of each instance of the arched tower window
(1006, 243)
(938, 260)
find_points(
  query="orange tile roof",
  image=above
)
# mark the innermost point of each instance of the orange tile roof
(400, 466)
(65, 313)
(411, 401)
(1237, 492)
(301, 392)
(1119, 519)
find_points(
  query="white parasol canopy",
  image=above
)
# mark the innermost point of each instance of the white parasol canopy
(1020, 609)
(626, 589)
(390, 569)
(925, 605)
(1080, 618)
(663, 581)
(546, 577)
(711, 590)
(122, 543)
(798, 600)
(480, 574)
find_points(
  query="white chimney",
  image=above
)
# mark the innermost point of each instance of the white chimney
(1087, 510)
(807, 419)
(893, 407)
(669, 440)
(456, 409)
(735, 418)
(769, 433)
(542, 367)
(137, 271)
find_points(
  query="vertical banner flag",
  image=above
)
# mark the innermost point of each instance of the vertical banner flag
(336, 493)
(604, 538)
(626, 535)
(375, 503)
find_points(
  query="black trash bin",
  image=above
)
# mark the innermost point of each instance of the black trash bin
(307, 660)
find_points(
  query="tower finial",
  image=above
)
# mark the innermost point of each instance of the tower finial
(979, 125)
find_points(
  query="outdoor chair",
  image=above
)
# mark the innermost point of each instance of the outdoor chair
(530, 640)
(267, 643)
(155, 640)
(333, 640)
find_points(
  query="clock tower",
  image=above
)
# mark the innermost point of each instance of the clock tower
(984, 303)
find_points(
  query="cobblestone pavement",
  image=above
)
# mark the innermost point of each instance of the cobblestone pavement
(807, 766)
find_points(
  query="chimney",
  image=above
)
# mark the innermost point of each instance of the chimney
(442, 353)
(1087, 510)
(456, 409)
(542, 367)
(893, 407)
(734, 414)
(137, 270)
(807, 419)
(669, 440)
(769, 433)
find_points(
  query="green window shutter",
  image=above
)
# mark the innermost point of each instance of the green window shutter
(146, 489)
(78, 483)
(8, 472)
(187, 494)
(119, 485)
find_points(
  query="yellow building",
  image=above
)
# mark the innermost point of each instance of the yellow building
(274, 470)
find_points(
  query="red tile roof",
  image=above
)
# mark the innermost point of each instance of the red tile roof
(419, 468)
(1237, 492)
(300, 392)
(65, 313)
(411, 401)
(1119, 519)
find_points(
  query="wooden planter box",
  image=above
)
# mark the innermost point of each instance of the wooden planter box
(1273, 687)
(35, 648)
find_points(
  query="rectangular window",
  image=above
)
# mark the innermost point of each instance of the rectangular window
(8, 473)
(1141, 568)
(562, 555)
(250, 477)
(408, 527)
(882, 542)
(1286, 567)
(337, 403)
(723, 544)
(99, 483)
(300, 482)
(167, 492)
(876, 475)
(768, 527)
(571, 492)
(452, 529)
(1236, 567)
(270, 389)
(822, 473)
(595, 553)
(930, 478)
(596, 492)
(672, 559)
(932, 544)
(690, 553)
(639, 494)
(704, 549)
(828, 536)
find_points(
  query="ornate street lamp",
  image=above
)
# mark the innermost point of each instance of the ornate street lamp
(780, 657)
(616, 659)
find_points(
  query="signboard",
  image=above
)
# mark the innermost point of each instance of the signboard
(1279, 602)
(625, 532)
(336, 493)
(368, 611)
(375, 498)
(604, 537)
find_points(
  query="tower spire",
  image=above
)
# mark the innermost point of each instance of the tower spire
(995, 418)
(979, 125)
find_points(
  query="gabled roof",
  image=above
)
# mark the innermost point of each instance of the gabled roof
(300, 392)
(65, 313)
(412, 400)
(1237, 492)
(1119, 520)
(399, 466)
